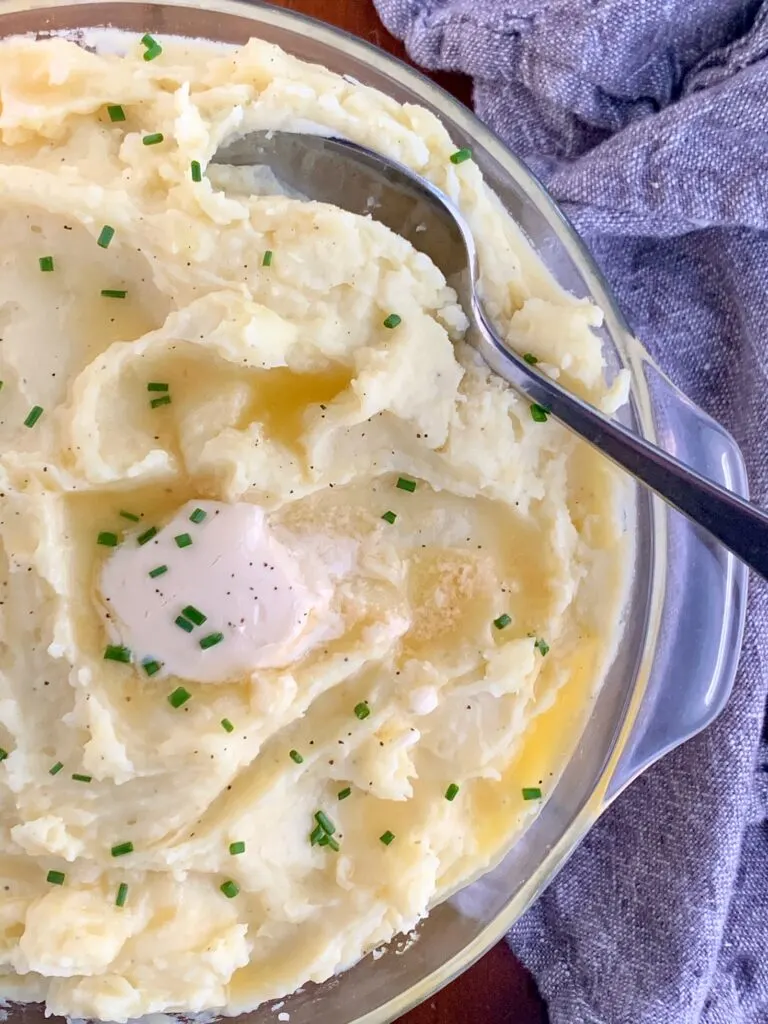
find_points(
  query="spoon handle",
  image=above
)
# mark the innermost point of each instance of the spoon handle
(734, 522)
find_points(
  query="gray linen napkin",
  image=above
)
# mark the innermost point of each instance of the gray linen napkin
(648, 121)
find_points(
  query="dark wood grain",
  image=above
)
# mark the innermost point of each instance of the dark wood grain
(498, 989)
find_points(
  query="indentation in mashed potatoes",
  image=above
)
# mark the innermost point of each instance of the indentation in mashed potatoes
(155, 854)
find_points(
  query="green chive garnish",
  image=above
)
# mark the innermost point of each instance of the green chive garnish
(502, 622)
(465, 153)
(184, 624)
(156, 402)
(153, 139)
(406, 485)
(542, 646)
(82, 778)
(183, 540)
(55, 768)
(113, 293)
(33, 416)
(316, 835)
(387, 837)
(46, 263)
(131, 516)
(226, 725)
(105, 236)
(122, 895)
(390, 517)
(327, 840)
(157, 385)
(159, 570)
(109, 540)
(325, 822)
(152, 47)
(362, 710)
(150, 666)
(196, 171)
(344, 793)
(539, 413)
(266, 260)
(149, 41)
(3, 754)
(116, 112)
(296, 756)
(530, 358)
(451, 792)
(121, 849)
(55, 877)
(211, 640)
(235, 848)
(230, 889)
(178, 697)
(198, 515)
(393, 320)
(531, 793)
(116, 652)
(194, 615)
(145, 537)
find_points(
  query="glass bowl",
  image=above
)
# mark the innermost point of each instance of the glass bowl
(675, 665)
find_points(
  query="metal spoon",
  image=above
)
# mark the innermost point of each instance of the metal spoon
(339, 172)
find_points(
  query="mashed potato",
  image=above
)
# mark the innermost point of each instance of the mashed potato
(451, 571)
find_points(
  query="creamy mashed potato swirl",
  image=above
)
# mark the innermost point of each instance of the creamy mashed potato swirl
(461, 566)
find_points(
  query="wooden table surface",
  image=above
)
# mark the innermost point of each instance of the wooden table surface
(497, 990)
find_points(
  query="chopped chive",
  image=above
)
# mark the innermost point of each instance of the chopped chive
(266, 260)
(235, 848)
(153, 139)
(502, 622)
(184, 624)
(1, 385)
(143, 538)
(387, 837)
(362, 710)
(194, 615)
(121, 849)
(296, 756)
(165, 400)
(3, 754)
(196, 171)
(55, 877)
(150, 666)
(46, 263)
(157, 385)
(393, 320)
(328, 841)
(33, 416)
(106, 235)
(55, 768)
(82, 778)
(153, 52)
(542, 646)
(116, 652)
(230, 889)
(530, 358)
(178, 697)
(465, 153)
(149, 41)
(406, 485)
(131, 516)
(531, 793)
(122, 895)
(198, 515)
(109, 540)
(390, 517)
(113, 293)
(159, 570)
(316, 835)
(116, 112)
(451, 792)
(325, 822)
(344, 793)
(226, 725)
(183, 540)
(539, 413)
(211, 640)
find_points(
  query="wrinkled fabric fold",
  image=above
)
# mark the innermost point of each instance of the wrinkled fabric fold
(649, 125)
